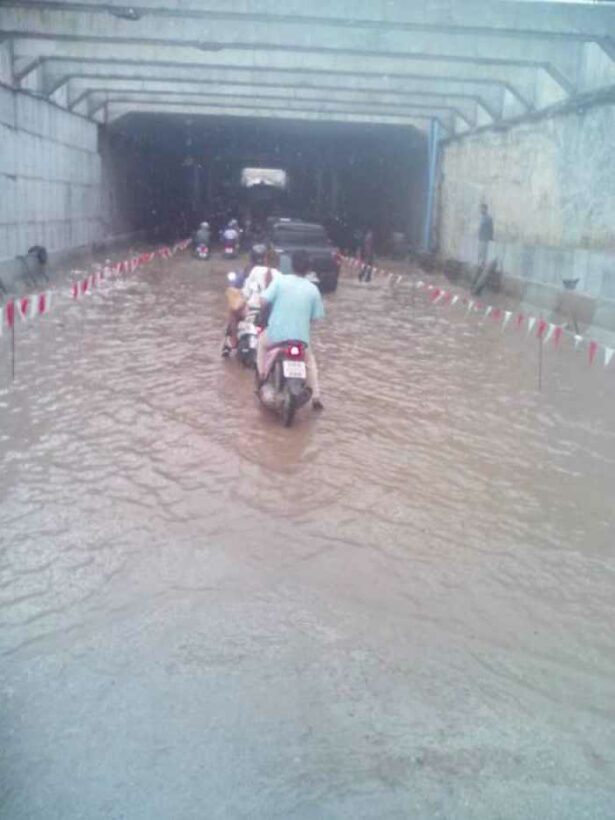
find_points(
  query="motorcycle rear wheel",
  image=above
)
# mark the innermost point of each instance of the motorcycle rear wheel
(288, 409)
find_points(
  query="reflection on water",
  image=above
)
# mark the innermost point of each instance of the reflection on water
(401, 607)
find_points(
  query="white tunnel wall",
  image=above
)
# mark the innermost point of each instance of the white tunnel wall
(50, 177)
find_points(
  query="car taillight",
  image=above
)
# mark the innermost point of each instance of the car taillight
(295, 351)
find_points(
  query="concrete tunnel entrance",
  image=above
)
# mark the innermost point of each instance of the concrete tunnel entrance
(516, 97)
(402, 607)
(173, 171)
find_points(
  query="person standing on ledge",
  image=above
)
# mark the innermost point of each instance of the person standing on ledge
(485, 235)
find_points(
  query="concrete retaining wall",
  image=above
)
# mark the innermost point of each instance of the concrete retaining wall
(595, 270)
(550, 185)
(579, 311)
(50, 177)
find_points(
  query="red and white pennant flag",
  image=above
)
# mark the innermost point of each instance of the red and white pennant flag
(26, 307)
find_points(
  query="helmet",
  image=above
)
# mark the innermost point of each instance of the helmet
(233, 223)
(204, 225)
(257, 254)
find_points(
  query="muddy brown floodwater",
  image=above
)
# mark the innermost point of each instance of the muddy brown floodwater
(402, 608)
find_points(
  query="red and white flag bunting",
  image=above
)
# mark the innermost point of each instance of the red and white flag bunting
(38, 304)
(545, 331)
(25, 308)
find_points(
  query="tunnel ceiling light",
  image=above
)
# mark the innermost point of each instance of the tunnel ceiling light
(124, 12)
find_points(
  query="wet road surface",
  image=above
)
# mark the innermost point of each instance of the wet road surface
(401, 608)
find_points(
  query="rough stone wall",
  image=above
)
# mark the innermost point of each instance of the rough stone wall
(550, 186)
(549, 183)
(50, 177)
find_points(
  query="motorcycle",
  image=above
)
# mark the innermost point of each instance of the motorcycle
(202, 251)
(230, 250)
(284, 389)
(246, 331)
(247, 338)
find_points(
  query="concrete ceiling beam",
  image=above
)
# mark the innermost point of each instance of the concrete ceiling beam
(562, 58)
(521, 80)
(259, 103)
(538, 20)
(465, 107)
(489, 93)
(115, 110)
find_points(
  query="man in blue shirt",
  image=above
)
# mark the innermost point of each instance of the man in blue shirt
(295, 303)
(485, 235)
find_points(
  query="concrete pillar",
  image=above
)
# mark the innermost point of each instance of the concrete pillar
(318, 194)
(60, 96)
(483, 117)
(32, 81)
(598, 66)
(434, 149)
(548, 91)
(210, 186)
(81, 108)
(512, 106)
(460, 125)
(196, 188)
(6, 62)
(75, 94)
(335, 191)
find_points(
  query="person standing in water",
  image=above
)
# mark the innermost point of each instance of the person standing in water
(367, 256)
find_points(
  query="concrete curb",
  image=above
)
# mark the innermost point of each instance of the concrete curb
(593, 316)
(11, 270)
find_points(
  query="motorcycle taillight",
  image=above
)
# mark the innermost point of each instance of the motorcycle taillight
(295, 351)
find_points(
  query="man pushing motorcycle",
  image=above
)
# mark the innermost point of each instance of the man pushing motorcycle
(293, 304)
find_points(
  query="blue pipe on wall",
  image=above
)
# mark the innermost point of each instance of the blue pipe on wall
(434, 139)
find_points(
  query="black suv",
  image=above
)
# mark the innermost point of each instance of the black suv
(291, 235)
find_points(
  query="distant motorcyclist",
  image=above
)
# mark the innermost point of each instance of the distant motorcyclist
(230, 234)
(367, 256)
(202, 234)
(201, 246)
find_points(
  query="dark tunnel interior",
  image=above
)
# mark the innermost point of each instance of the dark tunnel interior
(173, 171)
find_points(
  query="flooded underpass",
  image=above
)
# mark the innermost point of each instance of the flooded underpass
(402, 607)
